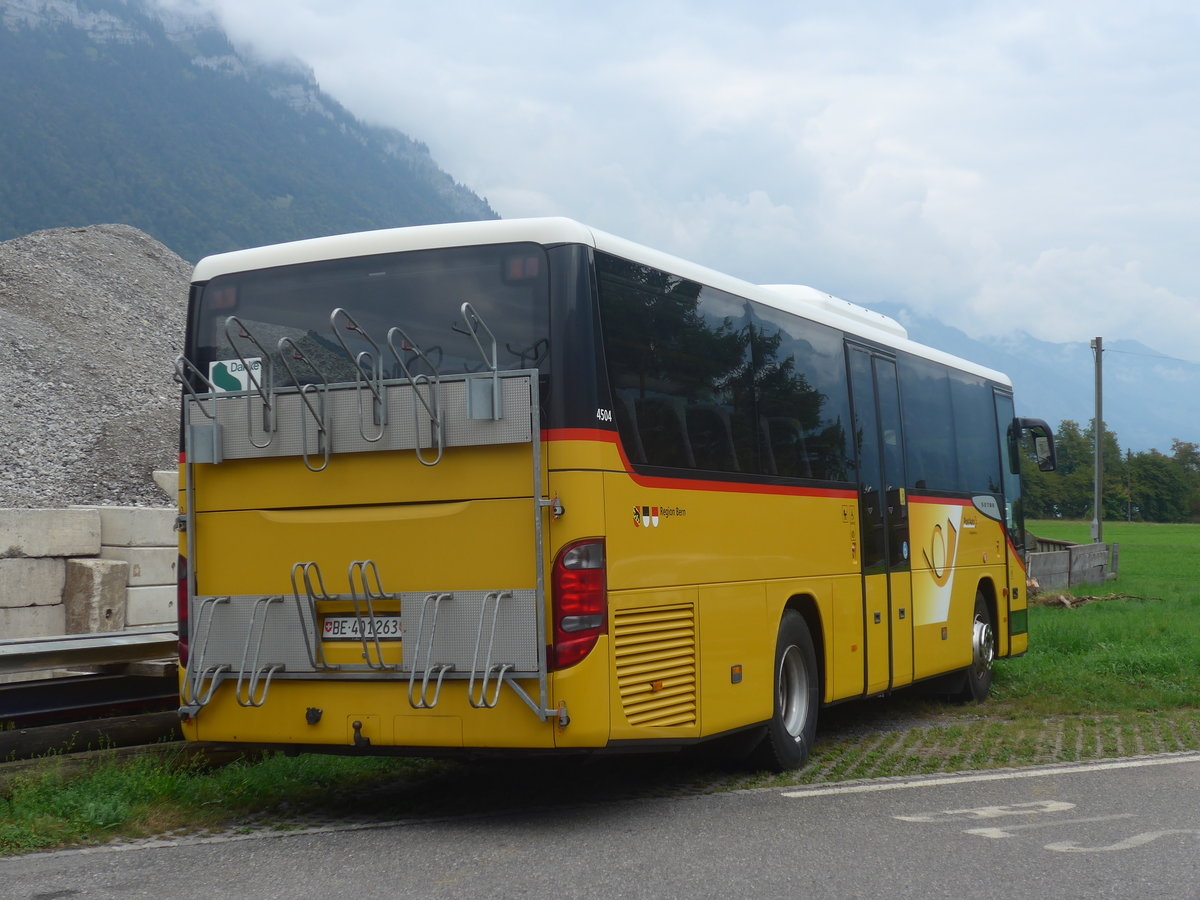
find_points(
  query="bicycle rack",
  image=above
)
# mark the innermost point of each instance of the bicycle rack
(499, 670)
(255, 382)
(434, 382)
(288, 347)
(248, 639)
(192, 691)
(362, 567)
(312, 639)
(246, 693)
(204, 443)
(482, 403)
(425, 701)
(366, 360)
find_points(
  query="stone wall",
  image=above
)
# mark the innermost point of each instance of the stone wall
(86, 569)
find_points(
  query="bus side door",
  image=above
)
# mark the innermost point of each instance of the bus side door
(883, 513)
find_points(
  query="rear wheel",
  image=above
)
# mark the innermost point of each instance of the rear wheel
(978, 678)
(793, 722)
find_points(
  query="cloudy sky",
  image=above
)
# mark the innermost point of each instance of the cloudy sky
(1003, 165)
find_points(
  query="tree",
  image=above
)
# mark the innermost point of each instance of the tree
(1158, 488)
(1148, 486)
(1186, 456)
(1073, 494)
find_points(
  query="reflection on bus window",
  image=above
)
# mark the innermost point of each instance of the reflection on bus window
(421, 291)
(705, 380)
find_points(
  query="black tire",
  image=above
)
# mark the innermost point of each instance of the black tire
(793, 724)
(977, 680)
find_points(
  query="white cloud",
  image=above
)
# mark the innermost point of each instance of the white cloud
(1089, 291)
(1003, 165)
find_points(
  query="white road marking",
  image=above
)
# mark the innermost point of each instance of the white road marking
(937, 780)
(1128, 844)
(1007, 830)
(1032, 808)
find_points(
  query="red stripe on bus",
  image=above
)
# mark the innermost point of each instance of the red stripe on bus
(579, 434)
(940, 501)
(1018, 554)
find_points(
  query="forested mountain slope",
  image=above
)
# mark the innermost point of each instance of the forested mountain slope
(112, 113)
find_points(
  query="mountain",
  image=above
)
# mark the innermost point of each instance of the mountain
(116, 111)
(1149, 398)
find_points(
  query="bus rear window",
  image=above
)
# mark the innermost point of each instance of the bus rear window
(421, 292)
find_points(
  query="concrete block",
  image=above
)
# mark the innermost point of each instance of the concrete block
(168, 482)
(150, 606)
(147, 565)
(49, 532)
(33, 621)
(31, 582)
(136, 526)
(1051, 569)
(94, 595)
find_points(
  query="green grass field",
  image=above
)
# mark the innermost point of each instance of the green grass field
(1138, 653)
(1117, 676)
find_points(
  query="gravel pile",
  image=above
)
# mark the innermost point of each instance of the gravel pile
(91, 320)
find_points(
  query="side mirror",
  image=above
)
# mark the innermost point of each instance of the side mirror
(1043, 442)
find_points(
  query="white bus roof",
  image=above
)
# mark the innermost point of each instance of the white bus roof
(800, 300)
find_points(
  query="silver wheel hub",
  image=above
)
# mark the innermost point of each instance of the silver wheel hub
(983, 647)
(793, 692)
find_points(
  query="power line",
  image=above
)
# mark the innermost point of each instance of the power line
(1151, 356)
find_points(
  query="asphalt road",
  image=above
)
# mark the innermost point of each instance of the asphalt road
(1127, 829)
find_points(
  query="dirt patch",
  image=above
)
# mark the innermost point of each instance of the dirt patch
(1070, 602)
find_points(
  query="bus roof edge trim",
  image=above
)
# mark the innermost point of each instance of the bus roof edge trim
(796, 299)
(803, 298)
(394, 240)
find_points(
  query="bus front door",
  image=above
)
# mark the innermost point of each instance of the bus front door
(883, 514)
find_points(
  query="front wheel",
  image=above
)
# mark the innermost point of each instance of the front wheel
(978, 678)
(793, 722)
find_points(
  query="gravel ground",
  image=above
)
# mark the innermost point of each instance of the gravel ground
(91, 320)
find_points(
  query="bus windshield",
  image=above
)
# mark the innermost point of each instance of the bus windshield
(421, 292)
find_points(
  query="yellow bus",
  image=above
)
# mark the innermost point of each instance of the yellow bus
(523, 485)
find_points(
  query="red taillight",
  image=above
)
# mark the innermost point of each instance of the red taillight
(181, 607)
(579, 602)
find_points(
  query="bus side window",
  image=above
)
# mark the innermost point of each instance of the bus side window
(929, 423)
(711, 438)
(660, 422)
(627, 428)
(785, 440)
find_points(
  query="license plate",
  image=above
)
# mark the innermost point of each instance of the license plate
(352, 628)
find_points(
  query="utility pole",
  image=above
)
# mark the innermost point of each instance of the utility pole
(1098, 436)
(1128, 485)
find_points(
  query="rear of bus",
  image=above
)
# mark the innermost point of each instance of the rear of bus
(374, 556)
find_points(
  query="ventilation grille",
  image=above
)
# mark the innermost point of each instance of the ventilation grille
(656, 665)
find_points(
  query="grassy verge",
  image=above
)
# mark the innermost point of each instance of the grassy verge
(1109, 678)
(156, 794)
